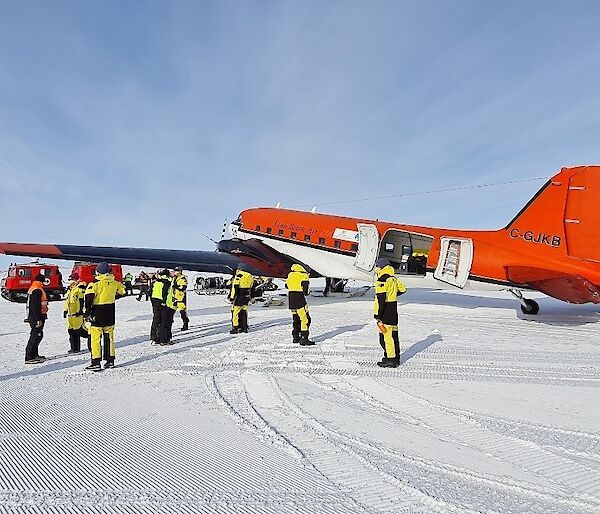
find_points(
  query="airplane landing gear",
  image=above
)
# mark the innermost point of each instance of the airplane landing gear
(527, 306)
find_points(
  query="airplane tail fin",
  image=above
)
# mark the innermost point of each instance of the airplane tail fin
(564, 213)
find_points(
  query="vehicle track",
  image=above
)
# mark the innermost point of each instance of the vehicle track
(567, 442)
(368, 485)
(460, 484)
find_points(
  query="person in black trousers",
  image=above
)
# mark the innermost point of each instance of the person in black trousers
(37, 312)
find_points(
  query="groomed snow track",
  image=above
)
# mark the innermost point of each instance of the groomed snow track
(488, 413)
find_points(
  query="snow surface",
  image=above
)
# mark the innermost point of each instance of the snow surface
(490, 411)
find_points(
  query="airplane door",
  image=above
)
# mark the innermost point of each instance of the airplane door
(368, 247)
(454, 264)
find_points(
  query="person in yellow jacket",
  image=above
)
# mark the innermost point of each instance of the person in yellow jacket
(387, 290)
(297, 284)
(239, 296)
(180, 285)
(100, 297)
(73, 312)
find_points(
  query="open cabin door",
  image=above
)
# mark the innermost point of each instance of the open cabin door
(454, 264)
(368, 247)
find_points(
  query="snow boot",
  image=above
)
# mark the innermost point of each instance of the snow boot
(34, 360)
(94, 367)
(304, 341)
(388, 363)
(109, 364)
(235, 330)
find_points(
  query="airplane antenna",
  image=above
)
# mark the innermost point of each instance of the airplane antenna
(224, 229)
(208, 237)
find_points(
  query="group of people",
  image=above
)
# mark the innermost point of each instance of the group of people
(387, 290)
(90, 309)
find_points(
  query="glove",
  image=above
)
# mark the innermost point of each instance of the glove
(376, 316)
(38, 324)
(65, 314)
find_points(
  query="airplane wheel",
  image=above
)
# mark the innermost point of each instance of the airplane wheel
(532, 307)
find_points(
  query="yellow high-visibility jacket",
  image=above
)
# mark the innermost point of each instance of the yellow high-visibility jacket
(297, 284)
(387, 290)
(100, 297)
(75, 304)
(180, 284)
(241, 287)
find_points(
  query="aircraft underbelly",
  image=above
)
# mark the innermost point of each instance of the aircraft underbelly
(326, 263)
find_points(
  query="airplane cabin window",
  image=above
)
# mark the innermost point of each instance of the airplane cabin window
(337, 244)
(354, 247)
(307, 238)
(321, 240)
(258, 228)
(280, 232)
(293, 235)
(269, 230)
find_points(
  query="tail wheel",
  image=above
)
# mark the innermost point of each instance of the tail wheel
(531, 307)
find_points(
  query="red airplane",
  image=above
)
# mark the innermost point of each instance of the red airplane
(552, 245)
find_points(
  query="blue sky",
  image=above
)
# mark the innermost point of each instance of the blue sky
(147, 123)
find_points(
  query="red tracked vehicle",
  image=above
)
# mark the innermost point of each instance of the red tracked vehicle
(87, 270)
(15, 285)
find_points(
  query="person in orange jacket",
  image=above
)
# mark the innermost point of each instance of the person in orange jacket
(37, 312)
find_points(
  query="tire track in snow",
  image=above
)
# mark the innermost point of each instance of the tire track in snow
(458, 483)
(574, 442)
(373, 488)
(583, 481)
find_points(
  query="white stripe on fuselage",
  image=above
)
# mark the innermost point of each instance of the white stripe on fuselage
(324, 262)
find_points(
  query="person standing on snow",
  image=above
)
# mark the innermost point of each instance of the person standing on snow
(143, 281)
(37, 312)
(128, 279)
(297, 285)
(239, 296)
(387, 289)
(100, 297)
(73, 312)
(164, 308)
(180, 284)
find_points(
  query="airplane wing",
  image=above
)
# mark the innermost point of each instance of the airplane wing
(567, 287)
(258, 257)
